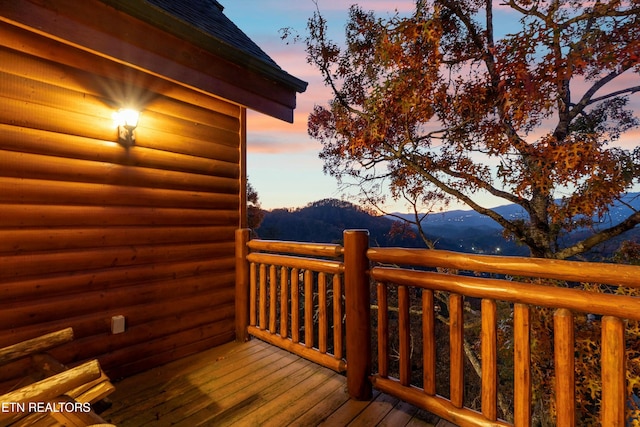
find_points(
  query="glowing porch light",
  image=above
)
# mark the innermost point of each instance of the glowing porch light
(126, 119)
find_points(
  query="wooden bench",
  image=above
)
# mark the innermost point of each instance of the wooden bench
(50, 393)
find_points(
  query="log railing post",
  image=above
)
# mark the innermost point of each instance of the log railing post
(242, 284)
(358, 313)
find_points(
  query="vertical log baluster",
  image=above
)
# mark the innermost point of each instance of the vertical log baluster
(322, 312)
(522, 365)
(273, 297)
(253, 291)
(456, 351)
(613, 372)
(404, 335)
(429, 343)
(563, 337)
(337, 317)
(383, 330)
(308, 308)
(263, 297)
(284, 302)
(489, 360)
(295, 305)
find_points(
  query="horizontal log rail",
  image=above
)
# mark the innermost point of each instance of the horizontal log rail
(269, 270)
(299, 248)
(615, 274)
(525, 293)
(318, 265)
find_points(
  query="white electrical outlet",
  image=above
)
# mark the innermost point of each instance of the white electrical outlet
(117, 324)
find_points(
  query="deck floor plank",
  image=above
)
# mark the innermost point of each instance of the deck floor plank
(247, 399)
(291, 405)
(375, 411)
(149, 388)
(250, 384)
(225, 393)
(172, 393)
(317, 406)
(401, 415)
(347, 412)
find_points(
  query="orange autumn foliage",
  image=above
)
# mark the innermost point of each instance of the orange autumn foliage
(436, 105)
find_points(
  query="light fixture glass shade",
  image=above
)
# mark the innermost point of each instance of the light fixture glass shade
(127, 120)
(128, 117)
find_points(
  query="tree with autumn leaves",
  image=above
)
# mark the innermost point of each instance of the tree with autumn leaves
(440, 105)
(437, 106)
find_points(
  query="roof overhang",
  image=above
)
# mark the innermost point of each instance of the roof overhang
(134, 33)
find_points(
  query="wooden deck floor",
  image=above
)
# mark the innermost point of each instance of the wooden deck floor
(251, 384)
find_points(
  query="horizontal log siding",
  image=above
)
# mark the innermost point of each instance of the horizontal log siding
(90, 229)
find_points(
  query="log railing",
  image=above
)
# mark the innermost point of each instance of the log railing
(566, 303)
(294, 301)
(431, 273)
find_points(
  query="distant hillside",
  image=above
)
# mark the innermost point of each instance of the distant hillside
(324, 221)
(471, 218)
(477, 233)
(463, 231)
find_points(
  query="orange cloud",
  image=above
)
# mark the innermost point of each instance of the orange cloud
(375, 5)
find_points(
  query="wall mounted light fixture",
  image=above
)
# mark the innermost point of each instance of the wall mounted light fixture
(127, 121)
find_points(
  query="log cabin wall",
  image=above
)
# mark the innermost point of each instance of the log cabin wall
(90, 228)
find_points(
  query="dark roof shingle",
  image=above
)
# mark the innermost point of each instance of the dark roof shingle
(208, 17)
(203, 23)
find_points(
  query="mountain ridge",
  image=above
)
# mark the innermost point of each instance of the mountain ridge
(513, 211)
(467, 231)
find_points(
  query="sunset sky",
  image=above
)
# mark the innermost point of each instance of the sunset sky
(283, 163)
